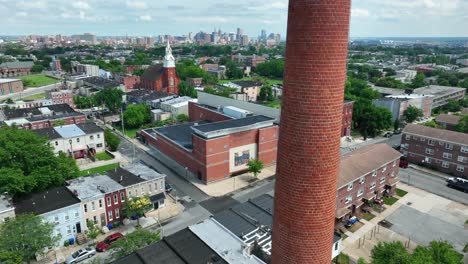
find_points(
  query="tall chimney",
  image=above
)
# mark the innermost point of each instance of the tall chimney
(309, 143)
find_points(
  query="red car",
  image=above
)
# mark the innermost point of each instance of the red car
(103, 245)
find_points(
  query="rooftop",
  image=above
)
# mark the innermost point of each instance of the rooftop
(143, 171)
(180, 134)
(101, 82)
(17, 64)
(36, 111)
(360, 162)
(8, 80)
(448, 119)
(92, 187)
(246, 84)
(179, 101)
(222, 128)
(5, 204)
(44, 202)
(160, 251)
(152, 73)
(124, 177)
(438, 134)
(438, 90)
(69, 131)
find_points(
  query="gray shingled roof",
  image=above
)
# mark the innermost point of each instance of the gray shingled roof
(17, 65)
(437, 134)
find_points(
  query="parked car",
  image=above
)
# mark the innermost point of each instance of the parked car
(388, 134)
(397, 131)
(103, 245)
(80, 255)
(397, 146)
(168, 187)
(403, 163)
(458, 184)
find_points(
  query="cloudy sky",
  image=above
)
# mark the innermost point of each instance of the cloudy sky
(370, 18)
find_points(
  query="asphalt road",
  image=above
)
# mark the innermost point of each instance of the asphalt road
(432, 184)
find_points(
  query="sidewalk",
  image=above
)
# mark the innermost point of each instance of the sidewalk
(429, 171)
(118, 159)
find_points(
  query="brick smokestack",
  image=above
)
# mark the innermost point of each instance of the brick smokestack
(309, 143)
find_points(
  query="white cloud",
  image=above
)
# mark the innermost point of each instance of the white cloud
(81, 5)
(21, 14)
(144, 18)
(358, 12)
(136, 4)
(270, 6)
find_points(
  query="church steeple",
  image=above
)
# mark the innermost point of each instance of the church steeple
(169, 60)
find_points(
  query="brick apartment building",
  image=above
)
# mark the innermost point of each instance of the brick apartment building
(15, 68)
(447, 121)
(61, 97)
(10, 86)
(347, 118)
(365, 174)
(440, 149)
(214, 151)
(254, 60)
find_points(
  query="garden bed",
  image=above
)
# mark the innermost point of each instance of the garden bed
(104, 156)
(400, 192)
(390, 200)
(100, 170)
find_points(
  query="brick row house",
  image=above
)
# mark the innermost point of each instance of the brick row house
(347, 118)
(365, 174)
(443, 150)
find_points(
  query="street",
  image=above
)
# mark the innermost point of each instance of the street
(432, 184)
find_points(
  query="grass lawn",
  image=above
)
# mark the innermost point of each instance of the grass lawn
(103, 156)
(129, 132)
(400, 192)
(100, 170)
(342, 259)
(390, 200)
(37, 80)
(368, 216)
(33, 97)
(275, 104)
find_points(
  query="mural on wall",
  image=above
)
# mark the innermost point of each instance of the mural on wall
(241, 158)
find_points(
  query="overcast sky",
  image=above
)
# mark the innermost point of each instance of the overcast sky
(370, 18)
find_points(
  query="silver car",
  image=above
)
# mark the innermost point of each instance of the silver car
(80, 255)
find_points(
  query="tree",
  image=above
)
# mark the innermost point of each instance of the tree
(369, 119)
(390, 253)
(136, 115)
(412, 113)
(452, 106)
(182, 118)
(93, 230)
(419, 80)
(272, 69)
(24, 170)
(361, 261)
(255, 166)
(233, 71)
(133, 241)
(138, 72)
(136, 207)
(443, 252)
(24, 237)
(186, 89)
(389, 72)
(37, 68)
(266, 93)
(111, 98)
(431, 123)
(390, 83)
(59, 122)
(462, 125)
(112, 140)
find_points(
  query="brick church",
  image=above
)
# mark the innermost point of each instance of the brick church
(162, 78)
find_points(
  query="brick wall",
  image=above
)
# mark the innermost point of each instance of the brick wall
(200, 113)
(347, 119)
(114, 206)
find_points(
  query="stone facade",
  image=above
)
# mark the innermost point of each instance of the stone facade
(311, 122)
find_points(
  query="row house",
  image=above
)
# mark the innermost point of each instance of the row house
(80, 140)
(347, 118)
(101, 198)
(57, 206)
(365, 174)
(140, 180)
(443, 150)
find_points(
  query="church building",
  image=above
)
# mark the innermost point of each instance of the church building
(162, 78)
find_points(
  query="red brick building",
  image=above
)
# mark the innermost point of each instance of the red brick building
(311, 123)
(15, 68)
(162, 78)
(114, 203)
(130, 82)
(347, 118)
(214, 151)
(443, 150)
(365, 174)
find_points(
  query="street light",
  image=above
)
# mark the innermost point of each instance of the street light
(71, 147)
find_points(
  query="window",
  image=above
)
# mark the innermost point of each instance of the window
(374, 173)
(445, 164)
(67, 217)
(460, 168)
(116, 199)
(382, 180)
(415, 138)
(150, 187)
(122, 196)
(336, 246)
(448, 146)
(95, 220)
(98, 135)
(69, 230)
(100, 203)
(99, 145)
(142, 190)
(85, 207)
(462, 159)
(161, 185)
(56, 219)
(91, 137)
(408, 137)
(130, 193)
(393, 174)
(361, 180)
(117, 213)
(431, 142)
(360, 192)
(384, 169)
(423, 139)
(77, 140)
(429, 151)
(56, 143)
(76, 214)
(372, 185)
(349, 199)
(108, 201)
(110, 216)
(136, 192)
(394, 163)
(350, 186)
(447, 155)
(464, 149)
(93, 206)
(155, 186)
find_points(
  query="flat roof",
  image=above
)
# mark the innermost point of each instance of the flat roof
(180, 134)
(8, 80)
(232, 126)
(227, 245)
(124, 177)
(44, 202)
(69, 131)
(94, 186)
(438, 90)
(143, 171)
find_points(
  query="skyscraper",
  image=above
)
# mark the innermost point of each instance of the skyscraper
(309, 142)
(263, 35)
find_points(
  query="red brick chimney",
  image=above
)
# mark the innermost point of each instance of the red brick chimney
(309, 143)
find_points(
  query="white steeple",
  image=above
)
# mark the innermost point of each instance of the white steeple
(169, 61)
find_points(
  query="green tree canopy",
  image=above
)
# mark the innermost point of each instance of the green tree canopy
(111, 98)
(255, 166)
(136, 115)
(186, 89)
(266, 93)
(136, 206)
(137, 239)
(419, 80)
(412, 113)
(37, 68)
(390, 83)
(462, 125)
(272, 69)
(112, 140)
(369, 119)
(29, 163)
(390, 253)
(24, 236)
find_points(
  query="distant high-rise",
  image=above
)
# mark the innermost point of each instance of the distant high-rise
(263, 35)
(89, 38)
(309, 137)
(240, 32)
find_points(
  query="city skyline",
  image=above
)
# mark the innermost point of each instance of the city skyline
(370, 18)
